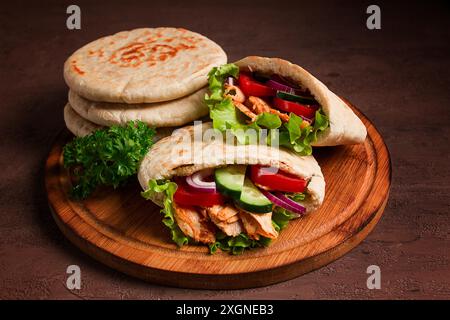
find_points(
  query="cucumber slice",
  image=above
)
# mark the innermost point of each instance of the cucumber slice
(253, 200)
(295, 98)
(230, 179)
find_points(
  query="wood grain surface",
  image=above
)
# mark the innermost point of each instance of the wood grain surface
(398, 76)
(121, 229)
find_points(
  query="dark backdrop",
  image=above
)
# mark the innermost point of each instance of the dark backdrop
(398, 76)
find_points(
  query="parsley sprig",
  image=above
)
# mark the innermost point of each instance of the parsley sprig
(108, 156)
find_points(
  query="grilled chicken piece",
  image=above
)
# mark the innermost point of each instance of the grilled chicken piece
(194, 225)
(258, 106)
(258, 224)
(265, 226)
(234, 93)
(250, 227)
(230, 229)
(223, 218)
(222, 213)
(203, 212)
(304, 124)
(226, 218)
(245, 110)
(233, 219)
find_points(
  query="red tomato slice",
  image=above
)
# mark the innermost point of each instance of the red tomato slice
(295, 107)
(280, 181)
(254, 88)
(188, 197)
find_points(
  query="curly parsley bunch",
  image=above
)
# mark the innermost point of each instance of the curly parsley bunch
(108, 156)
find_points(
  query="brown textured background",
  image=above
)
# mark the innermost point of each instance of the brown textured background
(398, 76)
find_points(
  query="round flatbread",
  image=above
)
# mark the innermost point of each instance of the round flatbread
(160, 114)
(184, 152)
(143, 65)
(76, 124)
(81, 127)
(345, 126)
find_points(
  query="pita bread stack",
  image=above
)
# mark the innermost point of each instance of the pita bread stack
(156, 75)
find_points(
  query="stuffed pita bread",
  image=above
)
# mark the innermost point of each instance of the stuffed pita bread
(218, 192)
(276, 94)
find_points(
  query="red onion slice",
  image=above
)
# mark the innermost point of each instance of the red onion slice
(277, 83)
(280, 87)
(230, 81)
(299, 208)
(284, 202)
(307, 119)
(199, 182)
(284, 81)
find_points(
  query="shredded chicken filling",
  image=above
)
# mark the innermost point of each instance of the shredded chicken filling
(201, 224)
(251, 106)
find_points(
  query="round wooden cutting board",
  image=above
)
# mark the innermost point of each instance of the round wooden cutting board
(125, 232)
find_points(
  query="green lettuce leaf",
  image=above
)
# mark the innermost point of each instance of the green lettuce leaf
(168, 188)
(297, 197)
(281, 218)
(225, 116)
(268, 120)
(222, 110)
(225, 113)
(236, 245)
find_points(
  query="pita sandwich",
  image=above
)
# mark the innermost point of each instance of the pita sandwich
(293, 98)
(345, 126)
(143, 65)
(212, 189)
(159, 114)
